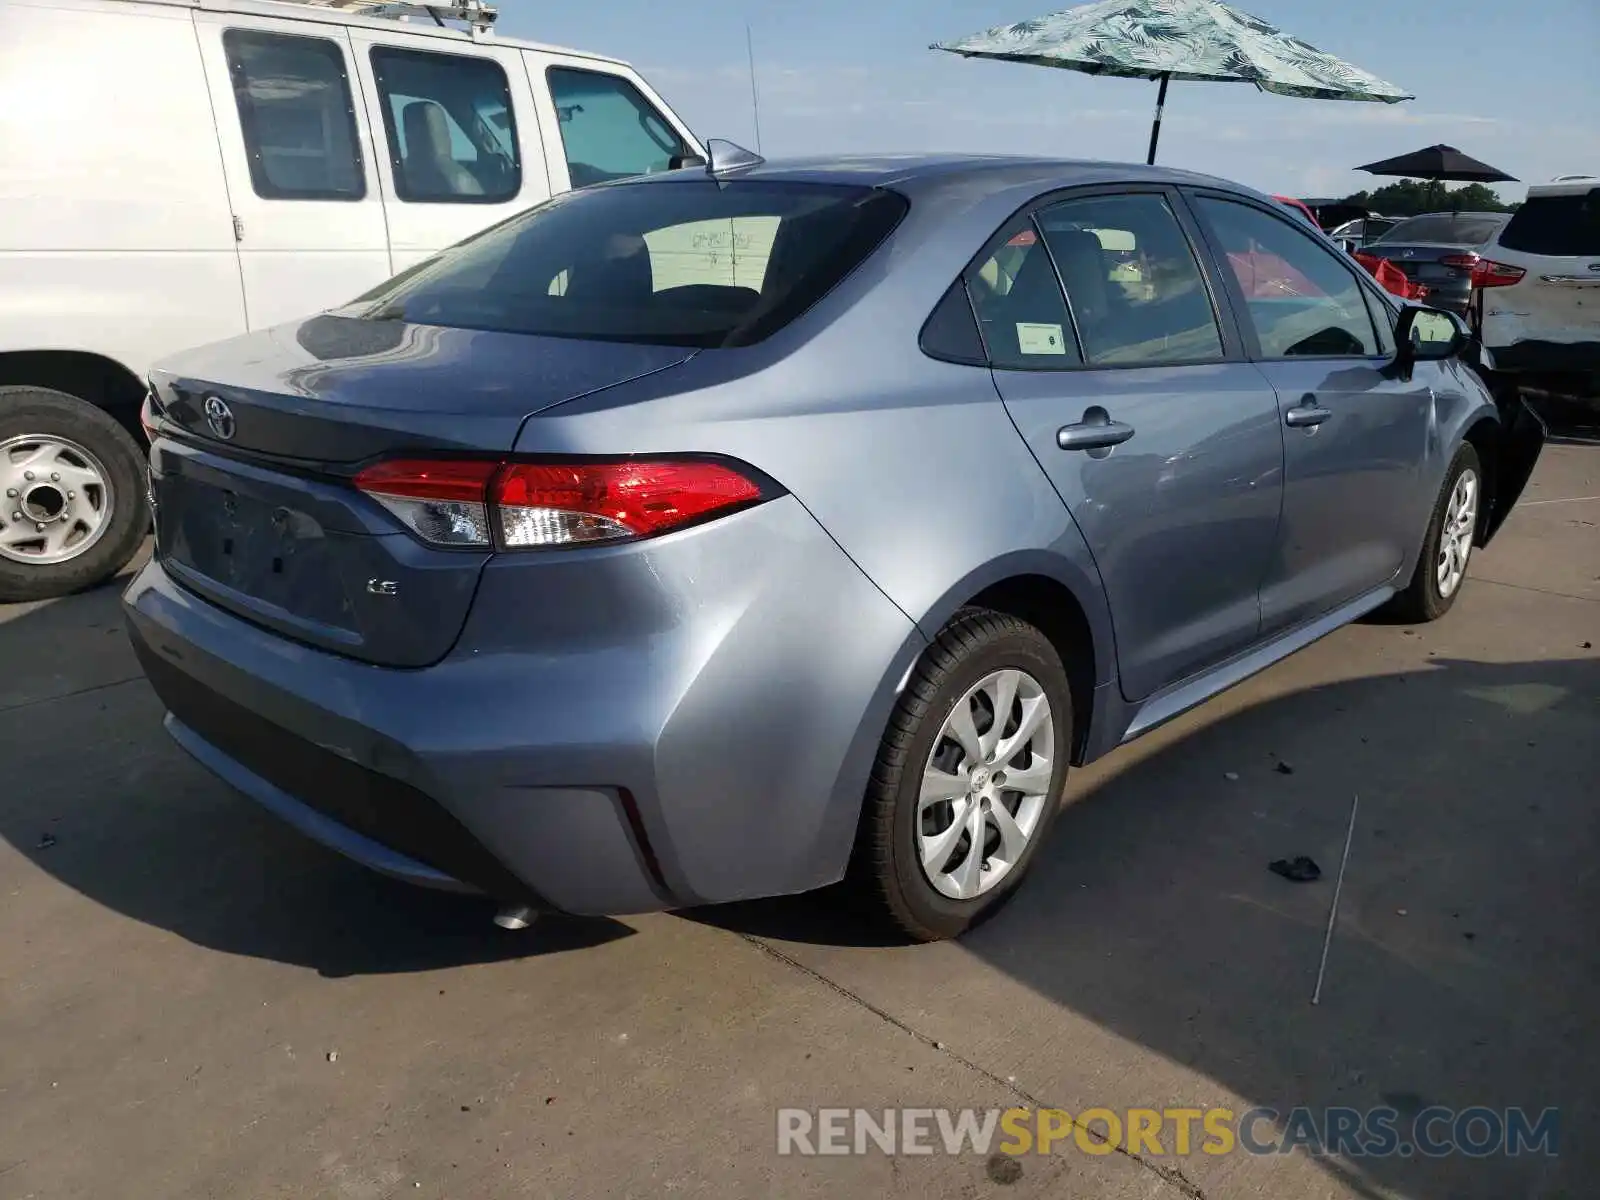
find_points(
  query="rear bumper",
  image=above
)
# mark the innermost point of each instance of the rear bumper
(681, 721)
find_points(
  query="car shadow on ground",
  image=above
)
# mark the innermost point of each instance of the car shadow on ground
(96, 794)
(1465, 970)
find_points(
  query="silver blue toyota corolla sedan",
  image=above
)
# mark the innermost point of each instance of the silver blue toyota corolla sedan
(726, 534)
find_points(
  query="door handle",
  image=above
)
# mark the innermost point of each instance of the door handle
(1306, 414)
(1097, 431)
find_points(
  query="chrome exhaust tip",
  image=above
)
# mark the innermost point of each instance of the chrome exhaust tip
(515, 918)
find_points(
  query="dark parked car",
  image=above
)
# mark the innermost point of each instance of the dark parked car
(692, 539)
(1439, 250)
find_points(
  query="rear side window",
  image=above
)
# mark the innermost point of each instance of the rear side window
(951, 333)
(1557, 226)
(298, 119)
(1137, 293)
(681, 262)
(608, 129)
(452, 135)
(1019, 304)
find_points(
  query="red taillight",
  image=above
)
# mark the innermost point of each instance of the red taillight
(443, 501)
(557, 504)
(541, 504)
(1465, 262)
(1486, 273)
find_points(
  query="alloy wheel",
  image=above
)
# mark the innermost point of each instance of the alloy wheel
(985, 784)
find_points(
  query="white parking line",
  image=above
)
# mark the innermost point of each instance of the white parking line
(1563, 500)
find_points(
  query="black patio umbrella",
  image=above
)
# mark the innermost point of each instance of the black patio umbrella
(1439, 163)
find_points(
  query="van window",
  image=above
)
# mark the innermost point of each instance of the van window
(452, 134)
(297, 115)
(608, 129)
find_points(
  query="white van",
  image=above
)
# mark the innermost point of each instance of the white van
(173, 172)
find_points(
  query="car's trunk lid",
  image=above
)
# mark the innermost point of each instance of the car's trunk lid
(251, 473)
(1422, 261)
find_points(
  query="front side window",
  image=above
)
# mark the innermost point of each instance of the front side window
(297, 116)
(452, 135)
(1302, 300)
(1137, 293)
(608, 129)
(680, 262)
(1019, 306)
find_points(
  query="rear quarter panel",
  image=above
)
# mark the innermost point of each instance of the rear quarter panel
(911, 464)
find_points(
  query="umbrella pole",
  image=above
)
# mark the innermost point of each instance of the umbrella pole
(1155, 127)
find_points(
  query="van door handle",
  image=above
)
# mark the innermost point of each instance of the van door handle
(1306, 414)
(1097, 431)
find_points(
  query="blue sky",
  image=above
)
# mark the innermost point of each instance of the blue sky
(1515, 84)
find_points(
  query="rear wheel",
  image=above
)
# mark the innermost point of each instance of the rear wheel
(968, 779)
(1442, 567)
(72, 507)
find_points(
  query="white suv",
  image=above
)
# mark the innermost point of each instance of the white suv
(1536, 298)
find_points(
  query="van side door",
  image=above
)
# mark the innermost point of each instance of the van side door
(459, 145)
(298, 159)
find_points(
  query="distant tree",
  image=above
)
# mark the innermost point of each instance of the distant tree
(1409, 197)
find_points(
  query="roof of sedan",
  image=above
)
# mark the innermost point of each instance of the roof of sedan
(917, 171)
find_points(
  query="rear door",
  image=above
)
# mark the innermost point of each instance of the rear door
(1356, 435)
(1554, 239)
(459, 146)
(1161, 440)
(297, 154)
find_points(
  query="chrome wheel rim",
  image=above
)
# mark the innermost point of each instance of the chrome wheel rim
(1455, 536)
(985, 784)
(58, 499)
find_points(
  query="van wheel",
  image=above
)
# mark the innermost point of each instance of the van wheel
(968, 779)
(72, 505)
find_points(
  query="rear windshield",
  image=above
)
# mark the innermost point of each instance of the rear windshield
(683, 262)
(1460, 229)
(1556, 225)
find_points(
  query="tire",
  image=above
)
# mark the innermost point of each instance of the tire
(88, 445)
(1425, 599)
(887, 868)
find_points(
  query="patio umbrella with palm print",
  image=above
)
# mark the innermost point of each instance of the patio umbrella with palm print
(1177, 39)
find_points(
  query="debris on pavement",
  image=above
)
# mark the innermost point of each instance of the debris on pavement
(46, 840)
(1231, 776)
(1003, 1169)
(1283, 768)
(333, 1056)
(1299, 869)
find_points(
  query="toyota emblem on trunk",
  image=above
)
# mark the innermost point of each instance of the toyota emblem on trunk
(220, 418)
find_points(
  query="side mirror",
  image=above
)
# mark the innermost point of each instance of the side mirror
(1428, 335)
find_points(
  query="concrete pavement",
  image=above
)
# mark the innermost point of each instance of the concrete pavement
(194, 1001)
